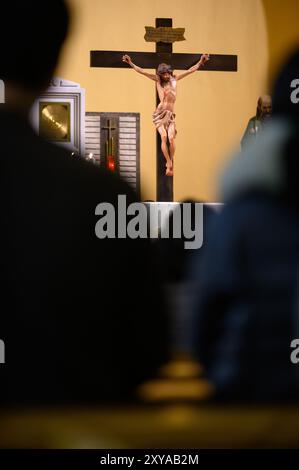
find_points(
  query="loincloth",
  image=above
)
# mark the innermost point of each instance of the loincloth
(164, 117)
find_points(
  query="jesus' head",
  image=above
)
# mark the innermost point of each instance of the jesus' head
(164, 71)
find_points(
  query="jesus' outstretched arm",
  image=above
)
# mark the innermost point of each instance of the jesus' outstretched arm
(204, 58)
(126, 58)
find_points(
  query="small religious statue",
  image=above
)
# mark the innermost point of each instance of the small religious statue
(256, 123)
(164, 117)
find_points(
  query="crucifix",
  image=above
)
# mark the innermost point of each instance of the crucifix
(163, 35)
(109, 147)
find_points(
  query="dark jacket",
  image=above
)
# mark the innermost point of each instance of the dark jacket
(79, 315)
(253, 129)
(246, 310)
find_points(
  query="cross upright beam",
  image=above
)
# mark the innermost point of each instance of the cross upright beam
(164, 185)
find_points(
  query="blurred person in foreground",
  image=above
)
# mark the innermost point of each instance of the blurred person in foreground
(246, 310)
(255, 126)
(79, 315)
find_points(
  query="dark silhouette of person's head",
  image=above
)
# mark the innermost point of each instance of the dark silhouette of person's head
(31, 36)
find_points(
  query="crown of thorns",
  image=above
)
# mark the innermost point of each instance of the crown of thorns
(164, 68)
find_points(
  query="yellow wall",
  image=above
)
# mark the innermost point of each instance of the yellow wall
(212, 107)
(282, 18)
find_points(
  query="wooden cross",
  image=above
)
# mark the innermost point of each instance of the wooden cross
(109, 147)
(151, 60)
